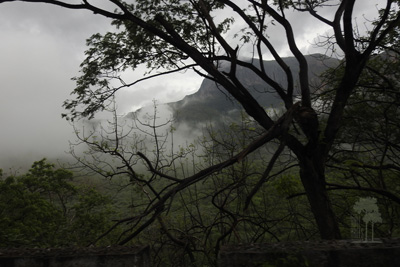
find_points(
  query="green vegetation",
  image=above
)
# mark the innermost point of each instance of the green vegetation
(293, 174)
(46, 208)
(40, 207)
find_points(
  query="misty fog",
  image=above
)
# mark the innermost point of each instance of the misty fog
(41, 49)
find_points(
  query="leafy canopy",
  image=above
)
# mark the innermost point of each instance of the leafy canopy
(45, 208)
(133, 45)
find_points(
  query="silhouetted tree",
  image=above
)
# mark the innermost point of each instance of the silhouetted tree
(181, 35)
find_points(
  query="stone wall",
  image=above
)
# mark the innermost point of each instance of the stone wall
(344, 253)
(76, 257)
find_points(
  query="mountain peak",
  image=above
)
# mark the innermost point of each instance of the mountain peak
(211, 102)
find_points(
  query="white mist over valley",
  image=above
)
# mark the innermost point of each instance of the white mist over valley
(41, 49)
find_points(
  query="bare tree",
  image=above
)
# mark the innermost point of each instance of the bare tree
(196, 221)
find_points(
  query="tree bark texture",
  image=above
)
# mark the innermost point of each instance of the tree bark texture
(313, 179)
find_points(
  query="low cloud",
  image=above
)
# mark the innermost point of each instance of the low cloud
(42, 47)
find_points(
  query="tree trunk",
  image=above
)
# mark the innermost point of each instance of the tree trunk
(312, 174)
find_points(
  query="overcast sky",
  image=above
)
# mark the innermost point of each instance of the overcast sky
(41, 48)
